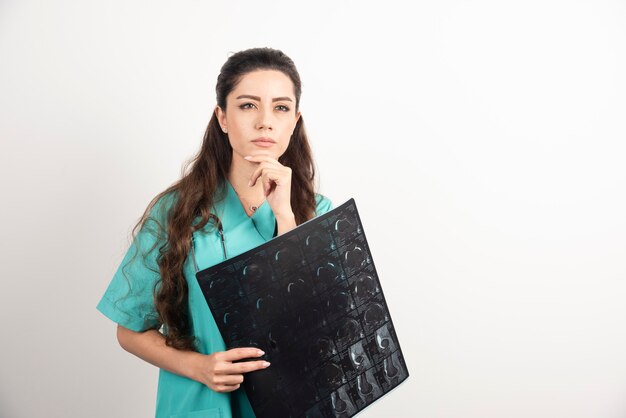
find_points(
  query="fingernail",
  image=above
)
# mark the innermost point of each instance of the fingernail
(260, 352)
(247, 157)
(266, 364)
(249, 182)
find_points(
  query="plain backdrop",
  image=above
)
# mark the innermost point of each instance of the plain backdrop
(483, 142)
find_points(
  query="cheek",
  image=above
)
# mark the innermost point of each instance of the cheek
(237, 131)
(285, 144)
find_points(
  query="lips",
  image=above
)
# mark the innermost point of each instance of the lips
(264, 140)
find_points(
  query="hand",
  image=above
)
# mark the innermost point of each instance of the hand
(219, 373)
(276, 180)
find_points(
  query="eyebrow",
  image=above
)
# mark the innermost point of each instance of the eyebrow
(257, 98)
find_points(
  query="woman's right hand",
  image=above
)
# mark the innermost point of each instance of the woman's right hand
(219, 372)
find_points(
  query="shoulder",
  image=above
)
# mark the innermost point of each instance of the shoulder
(156, 218)
(323, 204)
(160, 208)
(164, 204)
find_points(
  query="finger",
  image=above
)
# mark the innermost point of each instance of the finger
(226, 388)
(235, 369)
(255, 176)
(261, 158)
(229, 379)
(261, 168)
(268, 180)
(278, 176)
(271, 177)
(268, 175)
(272, 166)
(240, 353)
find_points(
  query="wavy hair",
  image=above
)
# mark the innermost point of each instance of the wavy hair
(202, 177)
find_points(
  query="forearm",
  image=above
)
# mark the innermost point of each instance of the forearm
(217, 370)
(150, 346)
(285, 222)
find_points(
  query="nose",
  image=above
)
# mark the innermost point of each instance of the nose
(264, 120)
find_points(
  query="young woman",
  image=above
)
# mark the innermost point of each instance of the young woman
(252, 179)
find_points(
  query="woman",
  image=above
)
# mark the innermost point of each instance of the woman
(252, 179)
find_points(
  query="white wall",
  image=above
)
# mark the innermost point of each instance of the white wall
(482, 141)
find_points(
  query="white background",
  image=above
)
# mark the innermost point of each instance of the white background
(482, 141)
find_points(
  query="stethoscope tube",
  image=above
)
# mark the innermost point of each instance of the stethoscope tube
(220, 231)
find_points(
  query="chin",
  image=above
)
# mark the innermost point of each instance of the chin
(270, 153)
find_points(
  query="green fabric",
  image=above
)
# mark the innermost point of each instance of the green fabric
(128, 300)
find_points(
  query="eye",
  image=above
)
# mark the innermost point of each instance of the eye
(247, 106)
(282, 108)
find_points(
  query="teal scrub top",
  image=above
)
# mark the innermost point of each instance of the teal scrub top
(129, 302)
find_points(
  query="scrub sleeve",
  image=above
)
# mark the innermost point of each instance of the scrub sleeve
(129, 299)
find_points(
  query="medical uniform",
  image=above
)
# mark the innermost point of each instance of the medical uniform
(129, 302)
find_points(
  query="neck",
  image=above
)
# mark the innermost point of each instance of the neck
(239, 175)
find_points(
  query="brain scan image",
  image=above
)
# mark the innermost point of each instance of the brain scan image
(365, 286)
(355, 257)
(374, 315)
(330, 376)
(323, 348)
(318, 242)
(328, 273)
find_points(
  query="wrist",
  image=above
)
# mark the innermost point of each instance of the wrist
(285, 216)
(286, 222)
(192, 366)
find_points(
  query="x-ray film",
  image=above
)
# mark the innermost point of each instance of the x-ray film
(311, 299)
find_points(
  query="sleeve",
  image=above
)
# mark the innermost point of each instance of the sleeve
(323, 204)
(129, 298)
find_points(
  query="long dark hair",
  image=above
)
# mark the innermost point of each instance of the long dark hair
(203, 176)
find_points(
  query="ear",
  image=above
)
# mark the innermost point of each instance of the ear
(221, 118)
(298, 114)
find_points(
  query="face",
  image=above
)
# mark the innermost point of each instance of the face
(260, 114)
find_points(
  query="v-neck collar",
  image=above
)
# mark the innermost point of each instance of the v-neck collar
(232, 214)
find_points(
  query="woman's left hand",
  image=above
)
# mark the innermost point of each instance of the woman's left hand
(276, 180)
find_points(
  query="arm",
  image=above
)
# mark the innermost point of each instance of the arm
(217, 370)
